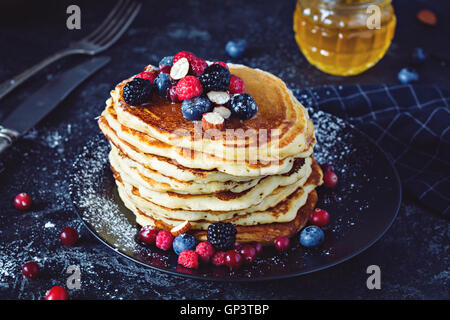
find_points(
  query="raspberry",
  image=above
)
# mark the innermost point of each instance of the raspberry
(236, 84)
(221, 63)
(137, 92)
(215, 78)
(164, 240)
(205, 251)
(188, 88)
(146, 75)
(184, 54)
(198, 66)
(218, 259)
(222, 235)
(188, 259)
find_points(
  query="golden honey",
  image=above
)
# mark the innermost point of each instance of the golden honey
(344, 37)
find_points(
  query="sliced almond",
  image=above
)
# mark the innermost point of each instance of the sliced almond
(179, 69)
(218, 97)
(223, 111)
(213, 120)
(181, 228)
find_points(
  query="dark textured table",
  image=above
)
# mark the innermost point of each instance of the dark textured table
(413, 255)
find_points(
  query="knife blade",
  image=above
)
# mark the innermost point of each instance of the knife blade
(39, 104)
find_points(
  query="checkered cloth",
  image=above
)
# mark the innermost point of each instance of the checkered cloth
(410, 123)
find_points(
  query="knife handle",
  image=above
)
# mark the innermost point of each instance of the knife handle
(7, 137)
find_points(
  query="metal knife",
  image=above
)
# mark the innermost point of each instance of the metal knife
(39, 104)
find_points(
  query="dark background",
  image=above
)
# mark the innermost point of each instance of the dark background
(413, 255)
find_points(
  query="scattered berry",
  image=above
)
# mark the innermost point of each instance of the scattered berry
(311, 236)
(183, 227)
(150, 76)
(221, 63)
(173, 95)
(236, 85)
(212, 120)
(188, 259)
(163, 83)
(57, 293)
(193, 109)
(166, 61)
(408, 75)
(147, 234)
(183, 242)
(22, 201)
(282, 243)
(218, 97)
(427, 17)
(184, 54)
(248, 253)
(30, 270)
(188, 88)
(327, 167)
(233, 259)
(235, 48)
(243, 106)
(418, 56)
(319, 217)
(137, 92)
(164, 240)
(68, 236)
(223, 111)
(222, 235)
(215, 78)
(198, 66)
(179, 69)
(330, 179)
(218, 258)
(205, 251)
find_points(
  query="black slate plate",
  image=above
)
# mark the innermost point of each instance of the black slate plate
(362, 208)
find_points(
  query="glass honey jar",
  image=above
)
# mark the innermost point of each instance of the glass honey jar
(344, 37)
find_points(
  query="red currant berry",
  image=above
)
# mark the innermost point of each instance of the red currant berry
(327, 167)
(282, 243)
(57, 293)
(30, 270)
(330, 179)
(147, 234)
(173, 95)
(22, 201)
(68, 236)
(165, 69)
(319, 217)
(258, 247)
(233, 259)
(248, 252)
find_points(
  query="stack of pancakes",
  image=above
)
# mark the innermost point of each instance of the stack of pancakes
(258, 174)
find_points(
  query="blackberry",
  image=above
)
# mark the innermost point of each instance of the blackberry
(243, 106)
(137, 92)
(215, 78)
(222, 235)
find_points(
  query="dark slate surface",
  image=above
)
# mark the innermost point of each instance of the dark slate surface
(413, 255)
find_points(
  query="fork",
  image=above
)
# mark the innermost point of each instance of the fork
(115, 24)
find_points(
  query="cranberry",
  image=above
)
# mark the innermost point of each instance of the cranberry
(327, 167)
(57, 293)
(30, 270)
(68, 236)
(330, 179)
(249, 253)
(319, 217)
(147, 234)
(173, 95)
(22, 201)
(233, 259)
(258, 247)
(282, 243)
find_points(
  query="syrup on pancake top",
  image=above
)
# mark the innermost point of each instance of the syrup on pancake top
(217, 198)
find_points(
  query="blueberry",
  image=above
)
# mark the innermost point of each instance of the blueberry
(235, 48)
(183, 242)
(408, 75)
(166, 61)
(243, 106)
(193, 109)
(163, 83)
(311, 236)
(418, 56)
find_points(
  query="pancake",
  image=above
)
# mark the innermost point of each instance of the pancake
(279, 127)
